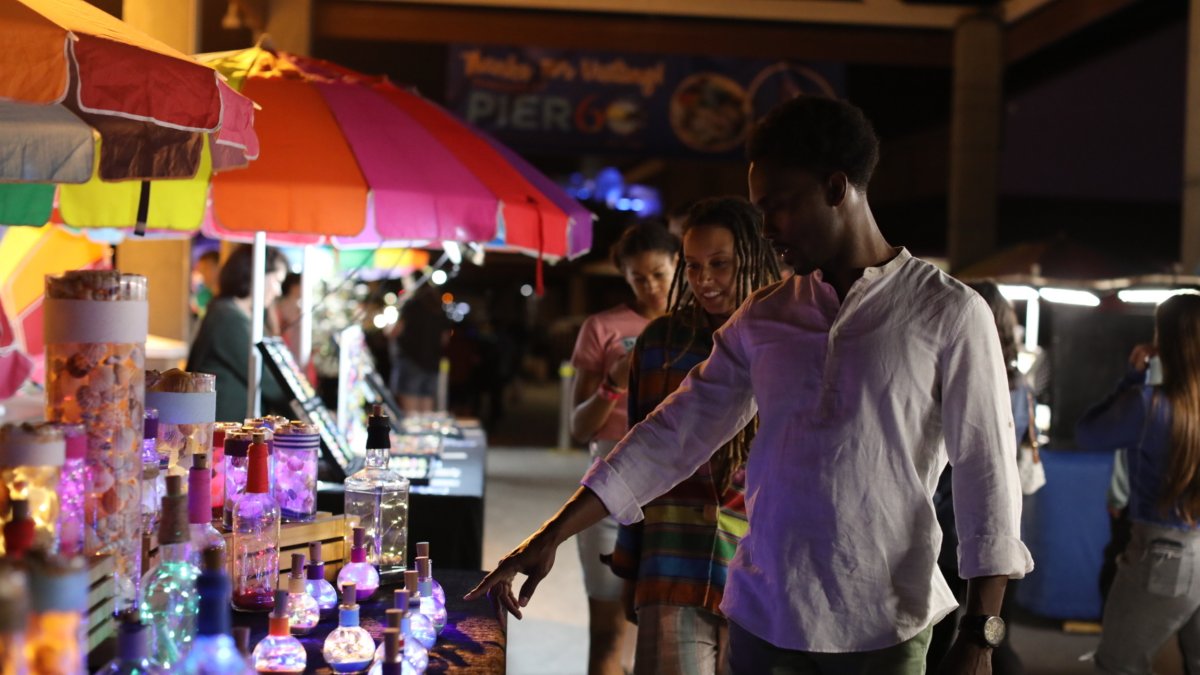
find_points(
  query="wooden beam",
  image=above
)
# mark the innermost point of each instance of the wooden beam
(1053, 22)
(395, 22)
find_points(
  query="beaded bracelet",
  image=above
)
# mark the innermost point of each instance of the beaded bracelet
(609, 393)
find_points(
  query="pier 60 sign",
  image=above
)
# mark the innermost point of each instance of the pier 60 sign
(547, 100)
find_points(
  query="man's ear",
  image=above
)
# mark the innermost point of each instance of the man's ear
(837, 187)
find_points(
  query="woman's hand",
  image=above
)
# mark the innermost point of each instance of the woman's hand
(1139, 358)
(618, 373)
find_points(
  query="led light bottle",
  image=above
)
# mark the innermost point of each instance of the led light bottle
(153, 473)
(213, 651)
(316, 584)
(389, 659)
(255, 537)
(413, 652)
(358, 571)
(199, 509)
(31, 461)
(133, 649)
(349, 648)
(14, 612)
(303, 612)
(439, 593)
(429, 605)
(169, 602)
(72, 491)
(423, 630)
(56, 641)
(377, 501)
(279, 652)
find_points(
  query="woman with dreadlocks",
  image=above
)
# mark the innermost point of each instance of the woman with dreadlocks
(674, 561)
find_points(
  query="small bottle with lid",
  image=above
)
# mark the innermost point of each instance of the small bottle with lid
(237, 463)
(358, 571)
(421, 627)
(429, 605)
(213, 651)
(153, 472)
(169, 602)
(316, 584)
(133, 650)
(14, 612)
(18, 531)
(439, 593)
(202, 532)
(72, 491)
(31, 460)
(349, 648)
(303, 612)
(297, 446)
(414, 654)
(389, 658)
(255, 536)
(279, 652)
(218, 466)
(56, 641)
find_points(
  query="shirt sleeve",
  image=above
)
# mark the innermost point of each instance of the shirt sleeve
(589, 347)
(1117, 421)
(714, 402)
(978, 423)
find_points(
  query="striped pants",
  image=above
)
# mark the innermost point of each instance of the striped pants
(673, 640)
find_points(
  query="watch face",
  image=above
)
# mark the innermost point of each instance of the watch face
(994, 630)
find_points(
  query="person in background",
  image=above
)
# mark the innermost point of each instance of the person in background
(222, 344)
(674, 561)
(1156, 593)
(287, 313)
(645, 255)
(205, 284)
(422, 335)
(1004, 658)
(867, 370)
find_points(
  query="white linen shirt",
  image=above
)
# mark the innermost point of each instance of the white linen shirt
(858, 403)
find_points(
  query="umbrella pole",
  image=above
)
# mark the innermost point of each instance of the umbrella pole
(257, 314)
(306, 307)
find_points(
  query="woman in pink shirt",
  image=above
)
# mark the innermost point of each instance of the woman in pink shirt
(645, 255)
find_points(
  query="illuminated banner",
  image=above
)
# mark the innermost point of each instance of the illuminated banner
(551, 100)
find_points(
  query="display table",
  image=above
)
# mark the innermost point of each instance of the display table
(472, 643)
(447, 513)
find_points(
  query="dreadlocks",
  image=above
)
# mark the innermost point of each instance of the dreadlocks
(756, 266)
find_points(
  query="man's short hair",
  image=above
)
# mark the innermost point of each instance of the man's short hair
(817, 134)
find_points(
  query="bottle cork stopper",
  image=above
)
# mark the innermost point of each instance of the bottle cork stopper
(377, 409)
(360, 537)
(259, 436)
(422, 549)
(393, 618)
(241, 636)
(173, 528)
(20, 509)
(410, 584)
(350, 595)
(200, 461)
(281, 603)
(314, 552)
(391, 645)
(214, 560)
(297, 565)
(423, 568)
(400, 599)
(174, 485)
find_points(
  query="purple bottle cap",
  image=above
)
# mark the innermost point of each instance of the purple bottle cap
(358, 552)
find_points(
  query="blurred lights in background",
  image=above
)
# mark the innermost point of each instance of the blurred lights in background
(610, 189)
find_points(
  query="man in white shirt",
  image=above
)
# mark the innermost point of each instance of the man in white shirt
(868, 369)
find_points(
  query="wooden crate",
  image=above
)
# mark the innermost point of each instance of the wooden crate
(295, 537)
(101, 601)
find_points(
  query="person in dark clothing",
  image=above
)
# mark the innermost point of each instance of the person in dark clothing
(222, 344)
(424, 331)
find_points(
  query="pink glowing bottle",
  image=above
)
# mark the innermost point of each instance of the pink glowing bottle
(256, 536)
(358, 571)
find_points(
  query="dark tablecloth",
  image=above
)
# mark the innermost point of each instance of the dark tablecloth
(473, 642)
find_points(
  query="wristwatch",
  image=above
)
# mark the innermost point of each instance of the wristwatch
(988, 631)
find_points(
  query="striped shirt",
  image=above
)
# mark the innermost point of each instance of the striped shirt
(680, 552)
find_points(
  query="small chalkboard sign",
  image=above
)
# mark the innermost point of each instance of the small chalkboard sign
(308, 406)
